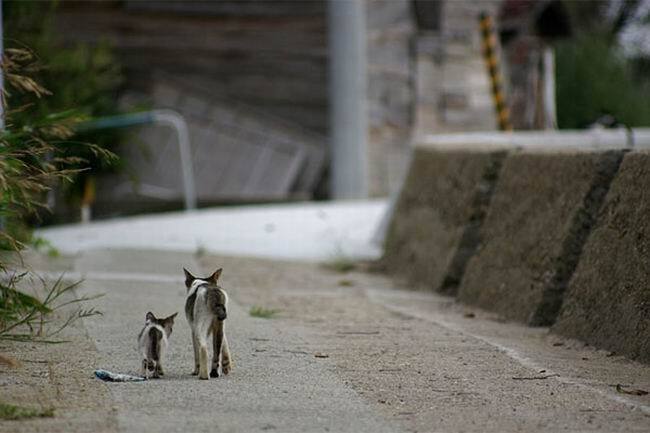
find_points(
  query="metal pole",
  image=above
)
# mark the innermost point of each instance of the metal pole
(347, 97)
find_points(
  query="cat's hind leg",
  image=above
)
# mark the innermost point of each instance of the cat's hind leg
(195, 346)
(226, 360)
(217, 339)
(203, 331)
(203, 361)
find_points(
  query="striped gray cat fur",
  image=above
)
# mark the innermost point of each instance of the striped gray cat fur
(205, 309)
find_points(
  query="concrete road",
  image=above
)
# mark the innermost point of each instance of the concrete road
(346, 353)
(268, 389)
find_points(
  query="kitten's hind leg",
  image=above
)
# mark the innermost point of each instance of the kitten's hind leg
(159, 370)
(144, 369)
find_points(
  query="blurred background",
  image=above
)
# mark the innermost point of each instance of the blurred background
(313, 100)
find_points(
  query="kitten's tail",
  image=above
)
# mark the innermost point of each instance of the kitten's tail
(156, 336)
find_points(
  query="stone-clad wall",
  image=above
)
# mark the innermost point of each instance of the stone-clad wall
(391, 94)
(422, 80)
(453, 87)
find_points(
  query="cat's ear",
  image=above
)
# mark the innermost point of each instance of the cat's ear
(167, 323)
(214, 277)
(189, 278)
(149, 317)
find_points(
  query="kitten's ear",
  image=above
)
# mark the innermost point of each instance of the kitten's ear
(214, 277)
(188, 278)
(149, 317)
(167, 323)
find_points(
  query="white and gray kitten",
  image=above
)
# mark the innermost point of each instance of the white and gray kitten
(153, 341)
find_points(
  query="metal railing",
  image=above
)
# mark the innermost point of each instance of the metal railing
(165, 117)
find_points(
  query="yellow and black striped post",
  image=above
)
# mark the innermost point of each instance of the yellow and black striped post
(490, 56)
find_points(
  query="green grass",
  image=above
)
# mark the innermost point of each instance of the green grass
(11, 412)
(25, 317)
(264, 313)
(42, 245)
(341, 264)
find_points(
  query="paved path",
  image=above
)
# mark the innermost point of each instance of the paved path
(268, 390)
(388, 359)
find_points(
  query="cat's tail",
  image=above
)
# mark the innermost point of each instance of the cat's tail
(156, 335)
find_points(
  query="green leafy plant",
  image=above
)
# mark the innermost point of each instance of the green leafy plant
(86, 77)
(594, 79)
(43, 245)
(595, 74)
(26, 318)
(33, 154)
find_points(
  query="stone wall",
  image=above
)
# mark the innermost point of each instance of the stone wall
(453, 87)
(391, 94)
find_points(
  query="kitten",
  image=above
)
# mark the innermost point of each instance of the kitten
(205, 309)
(153, 341)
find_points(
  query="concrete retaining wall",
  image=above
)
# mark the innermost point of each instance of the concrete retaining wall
(546, 229)
(443, 192)
(541, 212)
(607, 303)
